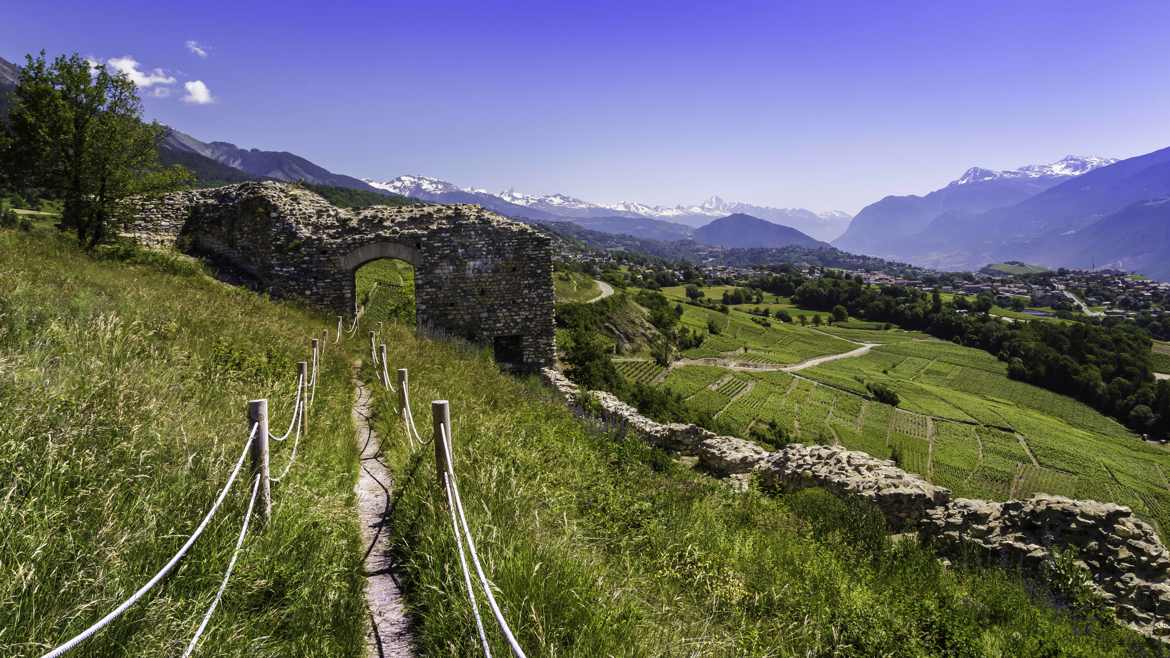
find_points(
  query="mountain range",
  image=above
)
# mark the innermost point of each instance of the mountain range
(1077, 212)
(822, 226)
(896, 225)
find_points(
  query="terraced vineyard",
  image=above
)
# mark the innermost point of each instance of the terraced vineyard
(642, 372)
(961, 423)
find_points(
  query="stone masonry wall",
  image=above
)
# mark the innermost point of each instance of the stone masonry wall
(477, 275)
(1129, 564)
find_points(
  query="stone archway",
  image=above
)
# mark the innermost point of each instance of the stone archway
(373, 251)
(477, 275)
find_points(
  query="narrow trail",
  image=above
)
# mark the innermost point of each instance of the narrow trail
(732, 364)
(389, 632)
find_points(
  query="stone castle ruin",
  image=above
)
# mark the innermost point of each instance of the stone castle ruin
(478, 275)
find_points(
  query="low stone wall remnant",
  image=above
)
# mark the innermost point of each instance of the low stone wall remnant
(1129, 565)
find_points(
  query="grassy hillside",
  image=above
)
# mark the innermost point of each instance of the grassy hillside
(600, 545)
(121, 411)
(123, 385)
(574, 287)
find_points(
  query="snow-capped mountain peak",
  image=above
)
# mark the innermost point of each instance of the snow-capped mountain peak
(1067, 167)
(549, 200)
(412, 185)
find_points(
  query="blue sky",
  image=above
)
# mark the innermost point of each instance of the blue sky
(825, 105)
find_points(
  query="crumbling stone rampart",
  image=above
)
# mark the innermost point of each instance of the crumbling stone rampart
(1130, 566)
(477, 275)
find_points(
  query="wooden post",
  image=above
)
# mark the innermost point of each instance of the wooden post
(385, 371)
(441, 417)
(316, 358)
(258, 415)
(324, 339)
(339, 320)
(402, 381)
(303, 373)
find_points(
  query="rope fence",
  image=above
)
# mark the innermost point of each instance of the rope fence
(260, 503)
(449, 486)
(256, 445)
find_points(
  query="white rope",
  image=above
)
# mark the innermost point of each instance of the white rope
(408, 419)
(386, 378)
(353, 328)
(373, 348)
(104, 621)
(463, 565)
(227, 574)
(313, 391)
(483, 581)
(339, 321)
(291, 458)
(296, 411)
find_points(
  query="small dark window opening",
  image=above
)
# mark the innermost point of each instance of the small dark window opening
(508, 350)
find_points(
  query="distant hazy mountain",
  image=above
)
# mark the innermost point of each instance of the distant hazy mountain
(9, 74)
(277, 165)
(562, 206)
(894, 226)
(638, 227)
(1136, 238)
(745, 231)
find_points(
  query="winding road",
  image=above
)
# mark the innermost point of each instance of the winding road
(606, 291)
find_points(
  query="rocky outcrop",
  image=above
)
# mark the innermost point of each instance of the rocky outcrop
(903, 498)
(1129, 565)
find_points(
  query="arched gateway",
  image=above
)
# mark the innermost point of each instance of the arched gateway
(477, 274)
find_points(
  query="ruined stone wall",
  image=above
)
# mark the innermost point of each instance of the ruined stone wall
(1130, 566)
(477, 275)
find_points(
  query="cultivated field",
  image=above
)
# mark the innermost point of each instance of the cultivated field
(961, 421)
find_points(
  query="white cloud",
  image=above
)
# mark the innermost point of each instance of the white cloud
(160, 92)
(198, 50)
(197, 93)
(129, 66)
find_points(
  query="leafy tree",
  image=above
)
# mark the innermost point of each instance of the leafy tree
(588, 359)
(713, 327)
(883, 393)
(840, 314)
(694, 293)
(817, 320)
(75, 132)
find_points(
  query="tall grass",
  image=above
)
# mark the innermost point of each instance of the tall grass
(123, 386)
(602, 546)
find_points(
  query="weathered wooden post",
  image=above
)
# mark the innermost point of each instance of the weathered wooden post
(441, 417)
(385, 371)
(402, 381)
(303, 372)
(316, 358)
(258, 415)
(339, 320)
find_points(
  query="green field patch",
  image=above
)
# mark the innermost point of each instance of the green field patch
(688, 380)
